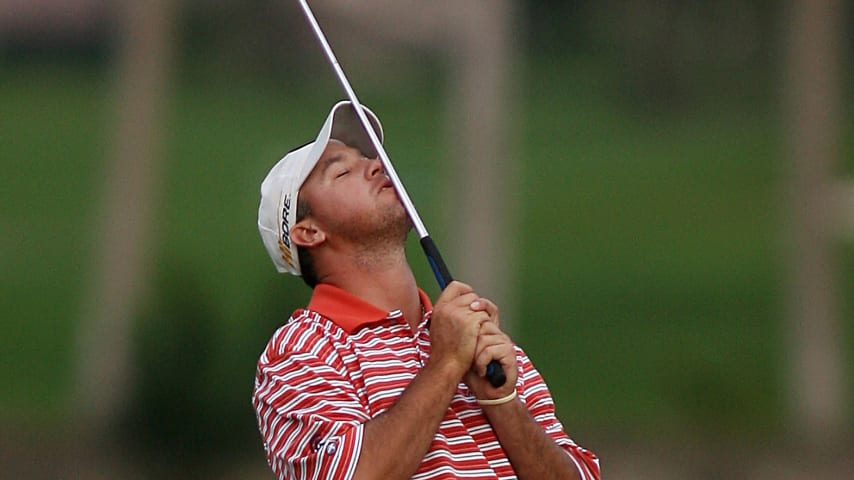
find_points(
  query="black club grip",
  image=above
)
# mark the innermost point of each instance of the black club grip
(494, 372)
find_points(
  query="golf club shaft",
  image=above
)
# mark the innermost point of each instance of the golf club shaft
(363, 118)
(494, 372)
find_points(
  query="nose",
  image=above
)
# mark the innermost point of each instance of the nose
(375, 167)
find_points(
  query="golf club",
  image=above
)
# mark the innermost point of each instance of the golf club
(494, 372)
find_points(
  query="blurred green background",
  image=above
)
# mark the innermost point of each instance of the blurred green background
(651, 281)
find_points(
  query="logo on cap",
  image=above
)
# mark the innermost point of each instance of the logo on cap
(285, 237)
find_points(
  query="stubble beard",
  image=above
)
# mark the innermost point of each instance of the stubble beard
(381, 235)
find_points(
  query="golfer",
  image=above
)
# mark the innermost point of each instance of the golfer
(372, 380)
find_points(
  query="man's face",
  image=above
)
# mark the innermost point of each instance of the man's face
(352, 198)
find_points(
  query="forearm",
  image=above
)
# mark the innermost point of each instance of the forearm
(395, 442)
(530, 450)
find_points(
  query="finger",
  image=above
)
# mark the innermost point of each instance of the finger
(453, 299)
(490, 328)
(485, 341)
(481, 318)
(495, 351)
(455, 289)
(493, 344)
(465, 300)
(489, 336)
(471, 322)
(452, 294)
(486, 305)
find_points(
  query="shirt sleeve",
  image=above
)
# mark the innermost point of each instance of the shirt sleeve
(536, 396)
(309, 414)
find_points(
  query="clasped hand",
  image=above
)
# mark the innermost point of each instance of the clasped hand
(465, 335)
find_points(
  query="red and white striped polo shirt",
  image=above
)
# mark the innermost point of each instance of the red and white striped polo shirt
(341, 362)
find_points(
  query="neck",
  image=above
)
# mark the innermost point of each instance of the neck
(381, 279)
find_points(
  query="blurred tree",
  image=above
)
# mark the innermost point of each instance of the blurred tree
(189, 402)
(817, 366)
(557, 27)
(482, 159)
(231, 41)
(667, 53)
(123, 248)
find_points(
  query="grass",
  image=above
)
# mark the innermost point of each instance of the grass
(651, 267)
(51, 131)
(658, 295)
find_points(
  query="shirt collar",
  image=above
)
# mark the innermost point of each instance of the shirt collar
(349, 311)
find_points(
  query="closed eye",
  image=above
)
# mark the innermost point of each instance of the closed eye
(345, 172)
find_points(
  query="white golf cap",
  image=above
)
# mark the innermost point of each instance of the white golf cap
(277, 211)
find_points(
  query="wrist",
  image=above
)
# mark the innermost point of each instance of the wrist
(444, 373)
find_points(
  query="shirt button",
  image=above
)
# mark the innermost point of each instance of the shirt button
(331, 448)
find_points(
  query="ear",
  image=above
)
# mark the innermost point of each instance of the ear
(307, 234)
